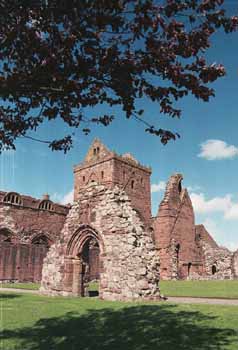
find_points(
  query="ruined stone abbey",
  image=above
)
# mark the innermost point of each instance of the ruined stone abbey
(108, 234)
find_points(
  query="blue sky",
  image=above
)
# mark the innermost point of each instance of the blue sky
(206, 154)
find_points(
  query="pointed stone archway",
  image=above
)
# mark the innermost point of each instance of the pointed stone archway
(82, 260)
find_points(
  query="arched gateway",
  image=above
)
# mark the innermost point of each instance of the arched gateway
(115, 247)
(82, 260)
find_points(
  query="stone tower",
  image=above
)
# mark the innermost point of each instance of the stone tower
(175, 233)
(105, 167)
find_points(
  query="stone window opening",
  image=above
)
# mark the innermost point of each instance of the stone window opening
(83, 178)
(96, 151)
(41, 240)
(102, 174)
(214, 269)
(46, 205)
(5, 236)
(132, 184)
(189, 268)
(13, 198)
(177, 251)
(180, 187)
(198, 237)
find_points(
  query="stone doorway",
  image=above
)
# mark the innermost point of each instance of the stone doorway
(82, 263)
(90, 273)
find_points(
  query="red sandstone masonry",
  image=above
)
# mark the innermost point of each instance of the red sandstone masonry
(29, 231)
(105, 167)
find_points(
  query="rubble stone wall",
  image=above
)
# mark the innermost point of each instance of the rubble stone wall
(235, 264)
(217, 262)
(129, 261)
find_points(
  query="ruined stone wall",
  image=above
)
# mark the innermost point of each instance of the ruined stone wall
(129, 264)
(25, 234)
(175, 233)
(235, 264)
(217, 261)
(27, 223)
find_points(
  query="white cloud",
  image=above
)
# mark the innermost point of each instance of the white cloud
(193, 188)
(158, 187)
(223, 238)
(232, 212)
(233, 246)
(217, 204)
(224, 205)
(68, 198)
(212, 227)
(217, 149)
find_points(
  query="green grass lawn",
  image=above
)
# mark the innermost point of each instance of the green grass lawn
(210, 289)
(31, 322)
(32, 286)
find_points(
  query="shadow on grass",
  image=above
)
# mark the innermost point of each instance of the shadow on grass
(8, 296)
(145, 327)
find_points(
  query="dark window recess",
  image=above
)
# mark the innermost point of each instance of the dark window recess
(132, 184)
(46, 205)
(180, 187)
(41, 240)
(214, 269)
(13, 198)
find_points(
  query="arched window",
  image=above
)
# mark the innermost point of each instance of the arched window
(46, 205)
(214, 269)
(5, 236)
(41, 240)
(13, 198)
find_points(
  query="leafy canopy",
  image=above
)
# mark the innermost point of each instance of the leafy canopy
(58, 58)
